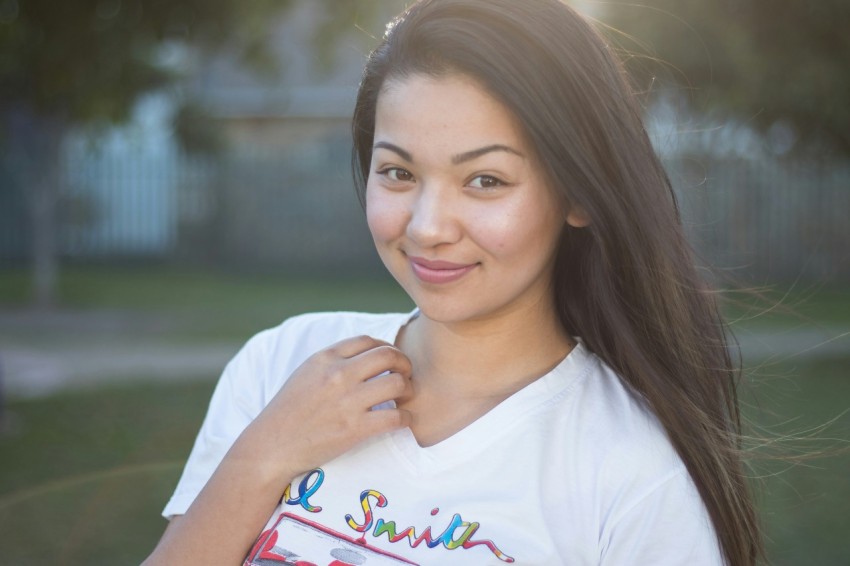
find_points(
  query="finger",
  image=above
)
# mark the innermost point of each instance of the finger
(351, 347)
(386, 420)
(376, 361)
(383, 388)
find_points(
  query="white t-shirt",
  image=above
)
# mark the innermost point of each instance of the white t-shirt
(572, 469)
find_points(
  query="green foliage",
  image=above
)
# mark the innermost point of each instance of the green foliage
(367, 17)
(89, 60)
(760, 60)
(196, 130)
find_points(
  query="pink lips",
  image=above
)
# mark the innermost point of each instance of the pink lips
(436, 271)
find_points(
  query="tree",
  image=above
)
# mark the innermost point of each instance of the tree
(765, 61)
(65, 65)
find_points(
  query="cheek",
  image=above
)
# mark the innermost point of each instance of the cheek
(506, 232)
(519, 232)
(384, 215)
(496, 232)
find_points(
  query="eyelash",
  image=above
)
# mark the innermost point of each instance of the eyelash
(498, 182)
(386, 172)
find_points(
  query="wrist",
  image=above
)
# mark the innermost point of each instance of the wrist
(263, 455)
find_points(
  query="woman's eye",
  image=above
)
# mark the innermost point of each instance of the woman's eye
(396, 174)
(485, 182)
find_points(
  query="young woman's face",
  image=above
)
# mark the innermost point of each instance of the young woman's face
(457, 206)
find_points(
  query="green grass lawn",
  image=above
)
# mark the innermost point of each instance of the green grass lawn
(202, 305)
(783, 307)
(85, 474)
(215, 303)
(804, 485)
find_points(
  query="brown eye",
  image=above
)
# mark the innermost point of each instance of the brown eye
(396, 174)
(485, 182)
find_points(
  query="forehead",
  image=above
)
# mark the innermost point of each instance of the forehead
(445, 113)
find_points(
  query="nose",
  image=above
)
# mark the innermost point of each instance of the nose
(433, 217)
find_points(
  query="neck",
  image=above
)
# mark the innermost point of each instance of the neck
(492, 357)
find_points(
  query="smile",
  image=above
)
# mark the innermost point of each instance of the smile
(430, 271)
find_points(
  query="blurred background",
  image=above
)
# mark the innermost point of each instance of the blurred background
(175, 176)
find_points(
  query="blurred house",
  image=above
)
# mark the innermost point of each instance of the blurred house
(284, 194)
(278, 196)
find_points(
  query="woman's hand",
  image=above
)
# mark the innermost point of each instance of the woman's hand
(323, 410)
(325, 407)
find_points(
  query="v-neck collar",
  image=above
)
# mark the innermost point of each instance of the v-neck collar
(485, 431)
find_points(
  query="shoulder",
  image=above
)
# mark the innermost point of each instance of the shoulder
(625, 473)
(271, 355)
(618, 418)
(343, 323)
(641, 450)
(322, 329)
(615, 441)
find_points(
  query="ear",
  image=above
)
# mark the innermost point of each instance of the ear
(577, 217)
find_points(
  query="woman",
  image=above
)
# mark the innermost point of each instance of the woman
(563, 393)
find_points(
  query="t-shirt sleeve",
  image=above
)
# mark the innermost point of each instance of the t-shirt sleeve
(238, 398)
(668, 525)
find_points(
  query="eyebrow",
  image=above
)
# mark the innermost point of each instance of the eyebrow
(476, 153)
(456, 159)
(394, 148)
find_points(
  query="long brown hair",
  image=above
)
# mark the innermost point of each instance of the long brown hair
(626, 283)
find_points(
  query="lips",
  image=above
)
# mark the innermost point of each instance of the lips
(439, 271)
